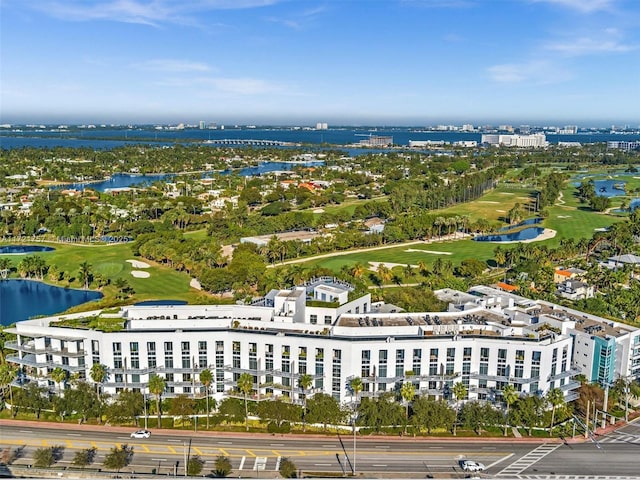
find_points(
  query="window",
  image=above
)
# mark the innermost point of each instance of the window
(185, 347)
(484, 354)
(168, 348)
(313, 319)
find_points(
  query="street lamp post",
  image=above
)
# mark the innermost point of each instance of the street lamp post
(355, 416)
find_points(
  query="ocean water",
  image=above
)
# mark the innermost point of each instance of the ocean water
(110, 138)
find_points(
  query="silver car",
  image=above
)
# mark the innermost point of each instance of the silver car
(471, 466)
(141, 434)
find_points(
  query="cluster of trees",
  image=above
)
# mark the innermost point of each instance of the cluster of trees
(531, 267)
(587, 194)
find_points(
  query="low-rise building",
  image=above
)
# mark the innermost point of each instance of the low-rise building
(485, 338)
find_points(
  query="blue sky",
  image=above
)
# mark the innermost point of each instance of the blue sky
(348, 62)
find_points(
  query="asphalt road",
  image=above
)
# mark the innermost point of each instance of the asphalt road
(259, 455)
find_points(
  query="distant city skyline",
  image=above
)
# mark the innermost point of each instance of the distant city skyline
(340, 62)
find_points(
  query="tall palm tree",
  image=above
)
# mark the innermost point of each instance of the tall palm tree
(407, 392)
(8, 374)
(509, 395)
(85, 274)
(206, 378)
(356, 387)
(460, 392)
(245, 385)
(98, 374)
(157, 385)
(305, 381)
(556, 398)
(59, 375)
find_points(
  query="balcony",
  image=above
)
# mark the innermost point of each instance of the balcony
(30, 361)
(566, 374)
(31, 348)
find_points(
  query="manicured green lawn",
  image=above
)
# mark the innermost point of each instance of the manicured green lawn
(111, 261)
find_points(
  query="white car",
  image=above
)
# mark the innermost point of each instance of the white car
(141, 434)
(471, 466)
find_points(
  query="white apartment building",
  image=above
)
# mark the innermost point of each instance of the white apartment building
(523, 141)
(485, 338)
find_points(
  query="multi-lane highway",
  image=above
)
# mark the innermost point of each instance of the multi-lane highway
(260, 455)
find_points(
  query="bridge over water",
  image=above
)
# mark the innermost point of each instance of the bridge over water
(248, 141)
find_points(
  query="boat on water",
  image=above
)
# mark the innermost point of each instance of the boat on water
(618, 186)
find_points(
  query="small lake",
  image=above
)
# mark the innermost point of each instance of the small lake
(608, 188)
(23, 299)
(526, 234)
(22, 249)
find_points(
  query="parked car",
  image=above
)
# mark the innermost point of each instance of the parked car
(141, 434)
(471, 466)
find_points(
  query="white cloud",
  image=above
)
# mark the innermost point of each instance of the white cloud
(173, 66)
(536, 72)
(585, 46)
(583, 6)
(242, 86)
(148, 12)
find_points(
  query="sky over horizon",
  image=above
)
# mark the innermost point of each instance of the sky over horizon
(344, 62)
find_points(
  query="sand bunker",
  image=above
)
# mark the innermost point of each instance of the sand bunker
(435, 252)
(374, 265)
(487, 201)
(319, 210)
(138, 264)
(194, 283)
(140, 274)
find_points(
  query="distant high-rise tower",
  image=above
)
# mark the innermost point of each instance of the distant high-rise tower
(322, 126)
(201, 124)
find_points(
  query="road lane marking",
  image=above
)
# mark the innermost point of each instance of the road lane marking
(278, 464)
(159, 459)
(383, 446)
(171, 449)
(277, 444)
(26, 431)
(145, 448)
(250, 452)
(500, 460)
(223, 452)
(242, 463)
(322, 464)
(173, 440)
(225, 443)
(74, 434)
(331, 445)
(197, 450)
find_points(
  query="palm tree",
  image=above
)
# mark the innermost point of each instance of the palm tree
(59, 375)
(556, 398)
(460, 392)
(356, 387)
(384, 273)
(245, 385)
(156, 387)
(305, 381)
(407, 392)
(206, 378)
(8, 374)
(98, 374)
(509, 395)
(85, 274)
